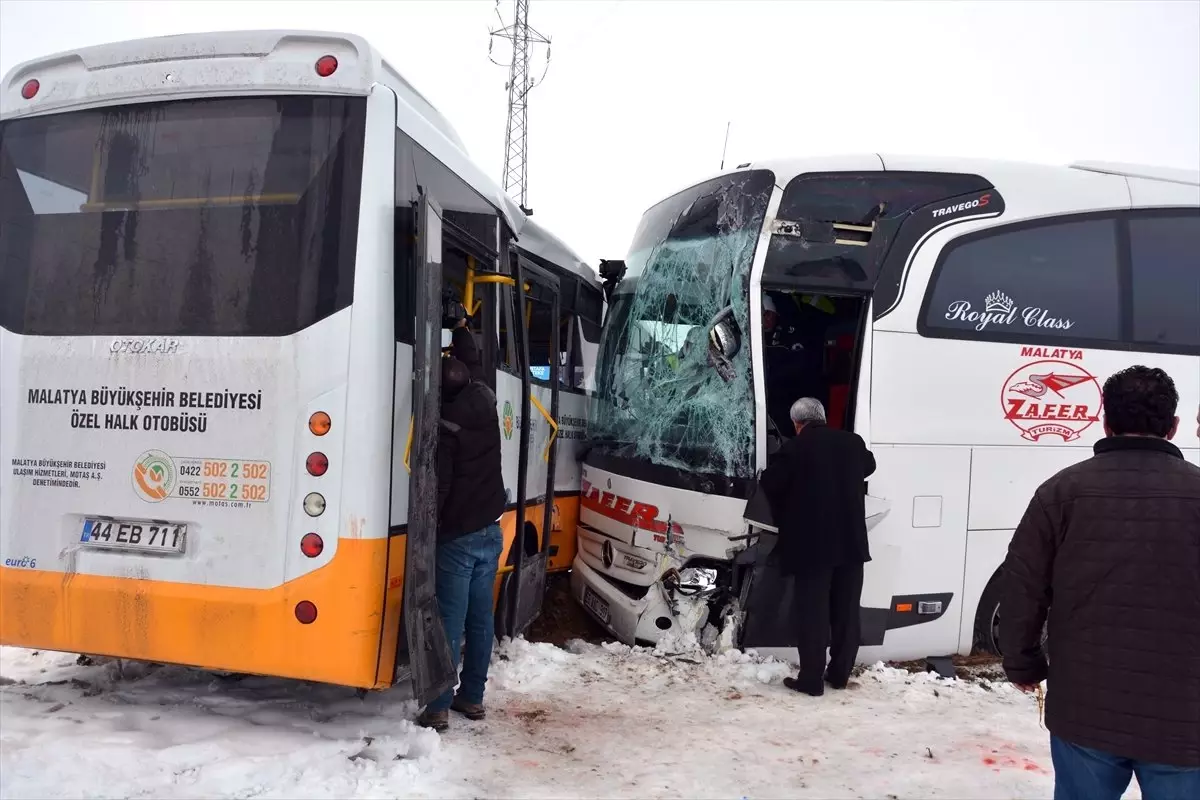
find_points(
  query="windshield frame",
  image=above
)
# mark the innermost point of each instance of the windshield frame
(713, 232)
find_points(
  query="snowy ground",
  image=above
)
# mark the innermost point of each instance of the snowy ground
(594, 721)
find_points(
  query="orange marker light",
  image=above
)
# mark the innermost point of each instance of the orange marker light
(319, 423)
(902, 607)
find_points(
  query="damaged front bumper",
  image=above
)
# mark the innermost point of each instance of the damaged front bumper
(644, 596)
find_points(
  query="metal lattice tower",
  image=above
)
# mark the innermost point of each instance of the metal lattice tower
(516, 135)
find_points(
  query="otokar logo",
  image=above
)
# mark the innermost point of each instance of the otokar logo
(154, 476)
(1051, 397)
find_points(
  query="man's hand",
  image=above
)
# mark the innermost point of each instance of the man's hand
(1027, 688)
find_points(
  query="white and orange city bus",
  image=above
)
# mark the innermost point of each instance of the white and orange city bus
(224, 261)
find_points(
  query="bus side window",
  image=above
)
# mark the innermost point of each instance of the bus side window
(1022, 283)
(405, 249)
(1165, 282)
(541, 332)
(589, 311)
(588, 350)
(508, 344)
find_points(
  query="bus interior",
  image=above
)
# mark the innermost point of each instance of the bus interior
(811, 348)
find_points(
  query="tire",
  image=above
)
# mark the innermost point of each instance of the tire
(988, 620)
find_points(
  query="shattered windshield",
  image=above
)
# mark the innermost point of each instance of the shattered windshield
(660, 397)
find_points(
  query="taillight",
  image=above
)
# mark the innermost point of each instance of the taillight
(319, 423)
(314, 505)
(306, 612)
(317, 464)
(30, 89)
(311, 545)
(326, 66)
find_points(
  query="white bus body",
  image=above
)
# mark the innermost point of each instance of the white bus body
(209, 243)
(982, 306)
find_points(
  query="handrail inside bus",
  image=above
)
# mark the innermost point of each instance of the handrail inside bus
(190, 202)
(553, 426)
(473, 277)
(408, 447)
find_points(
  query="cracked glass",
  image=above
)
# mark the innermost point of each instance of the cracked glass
(661, 397)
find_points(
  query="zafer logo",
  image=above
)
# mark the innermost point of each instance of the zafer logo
(1051, 397)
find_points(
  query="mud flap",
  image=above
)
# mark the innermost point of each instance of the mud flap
(431, 666)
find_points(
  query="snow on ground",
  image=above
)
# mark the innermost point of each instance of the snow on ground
(591, 721)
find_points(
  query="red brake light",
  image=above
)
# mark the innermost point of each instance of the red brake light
(30, 89)
(311, 545)
(306, 612)
(326, 66)
(317, 464)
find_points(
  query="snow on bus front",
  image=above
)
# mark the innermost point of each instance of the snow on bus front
(172, 276)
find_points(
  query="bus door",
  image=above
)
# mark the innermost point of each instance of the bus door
(536, 293)
(432, 669)
(880, 571)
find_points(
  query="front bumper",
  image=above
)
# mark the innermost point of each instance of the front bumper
(632, 620)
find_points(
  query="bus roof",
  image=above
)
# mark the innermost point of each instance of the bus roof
(237, 62)
(545, 245)
(993, 169)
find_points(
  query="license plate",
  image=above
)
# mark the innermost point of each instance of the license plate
(167, 538)
(596, 604)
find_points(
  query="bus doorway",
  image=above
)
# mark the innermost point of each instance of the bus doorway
(812, 345)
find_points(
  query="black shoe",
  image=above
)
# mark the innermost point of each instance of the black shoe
(835, 684)
(796, 686)
(434, 720)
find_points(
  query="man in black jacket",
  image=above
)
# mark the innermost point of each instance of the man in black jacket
(815, 488)
(471, 499)
(1109, 551)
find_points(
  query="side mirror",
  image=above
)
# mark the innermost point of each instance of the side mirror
(724, 342)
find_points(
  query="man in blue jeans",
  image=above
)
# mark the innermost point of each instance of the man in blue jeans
(471, 499)
(1109, 553)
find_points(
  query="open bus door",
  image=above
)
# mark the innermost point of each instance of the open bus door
(429, 661)
(766, 594)
(525, 588)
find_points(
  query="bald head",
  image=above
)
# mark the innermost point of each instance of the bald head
(455, 377)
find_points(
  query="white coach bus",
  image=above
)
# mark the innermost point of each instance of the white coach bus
(224, 260)
(960, 316)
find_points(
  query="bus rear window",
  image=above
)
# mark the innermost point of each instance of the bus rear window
(214, 217)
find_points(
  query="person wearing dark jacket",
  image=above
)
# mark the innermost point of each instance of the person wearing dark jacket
(471, 500)
(814, 485)
(1108, 552)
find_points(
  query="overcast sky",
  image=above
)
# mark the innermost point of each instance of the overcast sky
(638, 92)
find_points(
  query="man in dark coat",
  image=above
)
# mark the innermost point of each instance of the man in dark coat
(471, 499)
(1109, 551)
(815, 488)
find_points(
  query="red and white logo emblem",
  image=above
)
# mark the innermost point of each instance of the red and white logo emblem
(1051, 397)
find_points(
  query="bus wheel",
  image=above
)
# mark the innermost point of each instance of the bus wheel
(988, 619)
